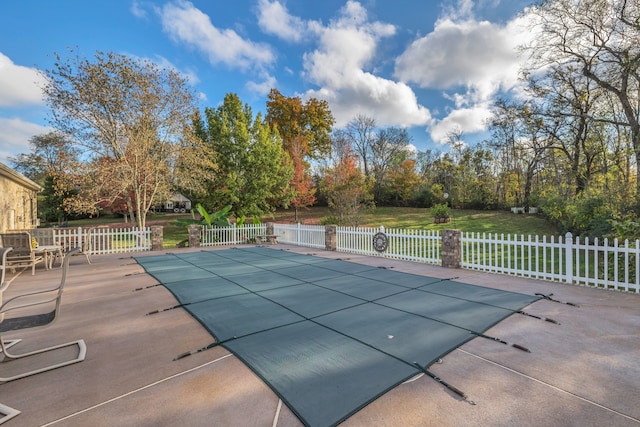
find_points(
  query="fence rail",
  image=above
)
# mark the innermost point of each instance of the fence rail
(409, 245)
(233, 235)
(103, 240)
(599, 263)
(602, 263)
(312, 236)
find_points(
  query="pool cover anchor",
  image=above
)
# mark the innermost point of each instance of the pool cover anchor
(518, 346)
(546, 319)
(147, 287)
(457, 391)
(548, 298)
(160, 310)
(201, 349)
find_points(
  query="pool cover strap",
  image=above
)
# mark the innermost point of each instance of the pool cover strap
(328, 336)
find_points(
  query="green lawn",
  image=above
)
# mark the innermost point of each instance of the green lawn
(420, 218)
(389, 217)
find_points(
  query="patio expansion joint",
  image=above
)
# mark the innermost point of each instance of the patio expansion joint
(153, 384)
(591, 402)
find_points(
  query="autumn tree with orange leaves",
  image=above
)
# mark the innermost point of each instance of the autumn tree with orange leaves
(347, 190)
(305, 129)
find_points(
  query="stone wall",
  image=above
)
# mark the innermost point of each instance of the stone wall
(18, 201)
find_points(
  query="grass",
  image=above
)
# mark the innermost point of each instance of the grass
(421, 218)
(389, 217)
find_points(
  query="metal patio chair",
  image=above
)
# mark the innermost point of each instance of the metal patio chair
(39, 309)
(3, 267)
(23, 254)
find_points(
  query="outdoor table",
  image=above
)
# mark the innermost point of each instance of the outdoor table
(50, 251)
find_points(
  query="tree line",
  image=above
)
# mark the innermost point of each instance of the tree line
(128, 134)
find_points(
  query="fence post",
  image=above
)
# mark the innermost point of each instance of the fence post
(330, 237)
(195, 230)
(79, 238)
(156, 237)
(568, 257)
(451, 244)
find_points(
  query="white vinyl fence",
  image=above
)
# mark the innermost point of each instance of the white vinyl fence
(311, 236)
(233, 235)
(600, 263)
(104, 240)
(403, 244)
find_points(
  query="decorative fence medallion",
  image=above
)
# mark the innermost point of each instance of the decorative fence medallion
(380, 242)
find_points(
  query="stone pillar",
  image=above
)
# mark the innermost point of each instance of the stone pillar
(156, 237)
(195, 230)
(451, 242)
(270, 231)
(330, 237)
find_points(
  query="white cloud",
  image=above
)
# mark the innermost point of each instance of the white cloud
(137, 10)
(274, 18)
(478, 55)
(189, 25)
(346, 48)
(467, 120)
(472, 60)
(263, 87)
(19, 86)
(15, 136)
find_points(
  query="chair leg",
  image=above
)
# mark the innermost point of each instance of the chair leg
(7, 413)
(7, 357)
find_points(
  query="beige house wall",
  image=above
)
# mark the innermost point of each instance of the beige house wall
(18, 200)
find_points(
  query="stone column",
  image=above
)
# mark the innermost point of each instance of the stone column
(330, 237)
(194, 235)
(451, 242)
(270, 231)
(156, 237)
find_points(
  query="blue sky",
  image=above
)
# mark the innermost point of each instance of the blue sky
(431, 66)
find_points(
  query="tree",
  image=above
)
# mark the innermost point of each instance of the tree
(388, 151)
(130, 116)
(518, 136)
(51, 158)
(600, 40)
(307, 124)
(301, 182)
(405, 181)
(253, 170)
(361, 133)
(379, 149)
(347, 189)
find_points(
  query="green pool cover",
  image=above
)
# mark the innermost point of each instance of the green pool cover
(328, 336)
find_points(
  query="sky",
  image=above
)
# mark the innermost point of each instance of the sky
(433, 67)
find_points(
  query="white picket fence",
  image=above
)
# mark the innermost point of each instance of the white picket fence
(311, 236)
(104, 240)
(592, 262)
(233, 235)
(402, 244)
(598, 262)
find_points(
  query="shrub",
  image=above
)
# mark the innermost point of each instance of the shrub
(330, 220)
(440, 211)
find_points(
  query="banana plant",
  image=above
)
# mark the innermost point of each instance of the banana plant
(217, 219)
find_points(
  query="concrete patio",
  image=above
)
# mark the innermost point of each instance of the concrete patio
(584, 371)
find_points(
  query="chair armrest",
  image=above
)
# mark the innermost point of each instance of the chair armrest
(5, 309)
(3, 254)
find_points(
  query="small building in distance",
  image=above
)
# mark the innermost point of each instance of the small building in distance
(177, 203)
